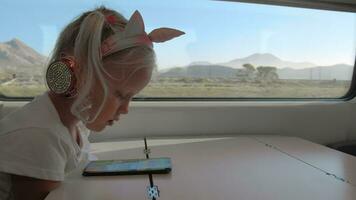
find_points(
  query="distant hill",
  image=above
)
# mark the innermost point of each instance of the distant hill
(285, 69)
(200, 71)
(15, 56)
(338, 72)
(200, 63)
(266, 59)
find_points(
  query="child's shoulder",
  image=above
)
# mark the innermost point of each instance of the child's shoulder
(31, 137)
(38, 115)
(34, 152)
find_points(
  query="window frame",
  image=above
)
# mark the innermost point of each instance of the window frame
(333, 5)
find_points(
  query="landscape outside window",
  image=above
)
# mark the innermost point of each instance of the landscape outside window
(229, 50)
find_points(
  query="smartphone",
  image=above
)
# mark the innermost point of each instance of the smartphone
(128, 167)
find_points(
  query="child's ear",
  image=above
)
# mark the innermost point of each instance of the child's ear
(164, 34)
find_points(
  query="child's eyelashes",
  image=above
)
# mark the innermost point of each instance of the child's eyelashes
(120, 96)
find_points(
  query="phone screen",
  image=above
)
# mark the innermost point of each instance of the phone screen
(128, 167)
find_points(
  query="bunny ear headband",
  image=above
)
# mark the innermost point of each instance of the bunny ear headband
(134, 35)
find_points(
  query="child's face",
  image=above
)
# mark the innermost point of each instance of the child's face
(119, 96)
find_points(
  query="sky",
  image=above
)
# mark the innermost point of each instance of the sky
(216, 31)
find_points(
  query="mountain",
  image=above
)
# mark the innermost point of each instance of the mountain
(15, 56)
(266, 59)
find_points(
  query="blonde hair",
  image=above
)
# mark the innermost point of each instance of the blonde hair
(83, 37)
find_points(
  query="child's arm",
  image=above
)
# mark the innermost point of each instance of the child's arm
(31, 188)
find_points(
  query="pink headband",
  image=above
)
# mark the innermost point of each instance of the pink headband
(135, 35)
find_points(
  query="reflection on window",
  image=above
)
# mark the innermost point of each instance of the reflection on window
(230, 49)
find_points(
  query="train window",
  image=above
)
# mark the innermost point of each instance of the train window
(231, 50)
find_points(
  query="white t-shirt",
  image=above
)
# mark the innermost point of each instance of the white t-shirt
(35, 143)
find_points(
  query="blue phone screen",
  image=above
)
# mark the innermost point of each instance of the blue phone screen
(128, 165)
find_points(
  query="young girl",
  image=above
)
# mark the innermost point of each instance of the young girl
(100, 61)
